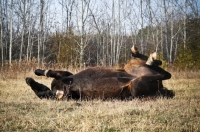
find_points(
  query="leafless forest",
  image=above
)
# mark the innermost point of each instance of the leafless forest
(79, 32)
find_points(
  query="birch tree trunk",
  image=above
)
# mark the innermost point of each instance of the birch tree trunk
(10, 47)
(1, 37)
(29, 32)
(82, 33)
(161, 34)
(84, 15)
(141, 15)
(23, 29)
(184, 23)
(166, 27)
(113, 42)
(172, 32)
(40, 30)
(119, 35)
(99, 37)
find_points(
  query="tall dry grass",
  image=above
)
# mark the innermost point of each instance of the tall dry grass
(21, 110)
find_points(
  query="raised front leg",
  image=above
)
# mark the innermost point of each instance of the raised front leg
(43, 91)
(151, 60)
(135, 53)
(54, 74)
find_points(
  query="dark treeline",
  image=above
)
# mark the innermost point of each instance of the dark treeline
(85, 32)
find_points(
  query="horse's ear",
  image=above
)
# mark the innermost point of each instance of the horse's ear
(67, 80)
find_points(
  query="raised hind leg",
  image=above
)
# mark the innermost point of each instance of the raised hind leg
(51, 73)
(43, 91)
(153, 64)
(151, 60)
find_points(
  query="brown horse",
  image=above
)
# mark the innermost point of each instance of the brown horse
(100, 82)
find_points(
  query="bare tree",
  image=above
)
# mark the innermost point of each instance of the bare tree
(11, 39)
(1, 37)
(194, 6)
(122, 7)
(69, 9)
(118, 46)
(161, 33)
(29, 30)
(113, 42)
(40, 30)
(23, 11)
(172, 32)
(141, 15)
(32, 19)
(184, 22)
(99, 37)
(84, 12)
(166, 28)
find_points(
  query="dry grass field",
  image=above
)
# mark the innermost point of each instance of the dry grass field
(21, 110)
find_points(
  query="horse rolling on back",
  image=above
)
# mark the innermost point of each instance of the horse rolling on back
(136, 81)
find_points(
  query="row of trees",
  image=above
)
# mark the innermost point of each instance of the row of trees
(74, 32)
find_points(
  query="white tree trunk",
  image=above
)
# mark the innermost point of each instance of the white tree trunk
(166, 27)
(40, 30)
(141, 15)
(1, 37)
(184, 23)
(29, 32)
(84, 15)
(119, 39)
(82, 33)
(172, 33)
(11, 20)
(23, 29)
